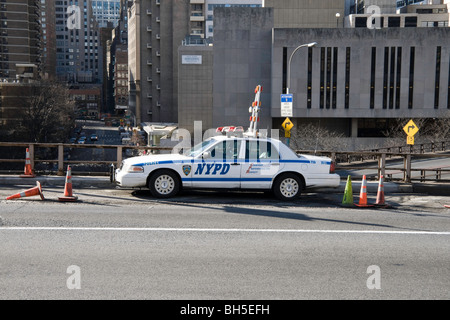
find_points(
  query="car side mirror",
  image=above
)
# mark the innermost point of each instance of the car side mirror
(206, 155)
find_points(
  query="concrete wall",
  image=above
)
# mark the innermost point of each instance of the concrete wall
(195, 86)
(242, 61)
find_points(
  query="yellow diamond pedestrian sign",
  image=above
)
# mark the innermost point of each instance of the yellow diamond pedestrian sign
(287, 124)
(411, 129)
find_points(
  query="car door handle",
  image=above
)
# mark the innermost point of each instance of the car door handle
(235, 164)
(275, 164)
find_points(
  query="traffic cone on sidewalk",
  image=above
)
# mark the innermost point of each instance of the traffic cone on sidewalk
(28, 172)
(347, 201)
(380, 195)
(363, 195)
(68, 195)
(29, 193)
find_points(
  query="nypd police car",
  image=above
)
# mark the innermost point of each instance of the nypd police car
(225, 162)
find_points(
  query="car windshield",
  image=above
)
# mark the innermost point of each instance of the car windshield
(199, 148)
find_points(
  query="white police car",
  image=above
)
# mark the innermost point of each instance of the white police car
(223, 162)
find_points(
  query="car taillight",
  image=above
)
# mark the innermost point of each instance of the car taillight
(332, 167)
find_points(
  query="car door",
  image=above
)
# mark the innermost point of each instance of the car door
(220, 168)
(262, 163)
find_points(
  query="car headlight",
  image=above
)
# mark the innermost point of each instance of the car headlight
(137, 169)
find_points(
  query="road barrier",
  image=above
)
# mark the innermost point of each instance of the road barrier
(393, 166)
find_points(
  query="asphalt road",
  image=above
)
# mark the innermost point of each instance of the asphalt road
(119, 244)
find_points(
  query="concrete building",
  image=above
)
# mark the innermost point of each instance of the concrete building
(355, 81)
(155, 30)
(20, 36)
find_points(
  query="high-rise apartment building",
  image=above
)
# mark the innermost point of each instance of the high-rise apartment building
(20, 36)
(155, 30)
(78, 53)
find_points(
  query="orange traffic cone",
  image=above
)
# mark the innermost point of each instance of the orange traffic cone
(29, 193)
(68, 196)
(363, 195)
(28, 172)
(380, 196)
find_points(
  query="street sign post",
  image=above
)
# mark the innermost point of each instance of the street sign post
(286, 105)
(411, 130)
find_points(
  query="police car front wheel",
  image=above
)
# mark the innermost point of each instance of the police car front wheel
(288, 187)
(164, 184)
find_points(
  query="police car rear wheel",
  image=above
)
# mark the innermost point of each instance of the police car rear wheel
(164, 184)
(288, 187)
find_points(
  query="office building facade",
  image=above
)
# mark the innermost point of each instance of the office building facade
(78, 43)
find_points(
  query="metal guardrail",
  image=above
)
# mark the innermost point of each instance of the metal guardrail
(354, 160)
(377, 161)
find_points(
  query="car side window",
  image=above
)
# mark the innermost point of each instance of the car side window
(261, 150)
(226, 150)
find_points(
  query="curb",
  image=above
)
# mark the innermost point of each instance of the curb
(103, 182)
(372, 187)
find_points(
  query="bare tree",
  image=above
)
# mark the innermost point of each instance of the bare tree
(312, 137)
(47, 113)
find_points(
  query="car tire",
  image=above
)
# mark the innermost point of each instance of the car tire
(288, 187)
(164, 184)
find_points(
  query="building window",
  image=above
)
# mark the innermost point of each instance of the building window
(360, 22)
(335, 66)
(399, 77)
(322, 78)
(438, 77)
(394, 22)
(412, 60)
(309, 90)
(347, 76)
(392, 79)
(410, 22)
(372, 77)
(328, 77)
(385, 77)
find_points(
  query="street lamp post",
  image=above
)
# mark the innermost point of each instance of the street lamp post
(309, 45)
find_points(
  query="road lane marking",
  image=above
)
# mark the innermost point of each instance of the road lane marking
(440, 233)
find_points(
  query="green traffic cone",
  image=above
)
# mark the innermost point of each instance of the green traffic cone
(348, 194)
